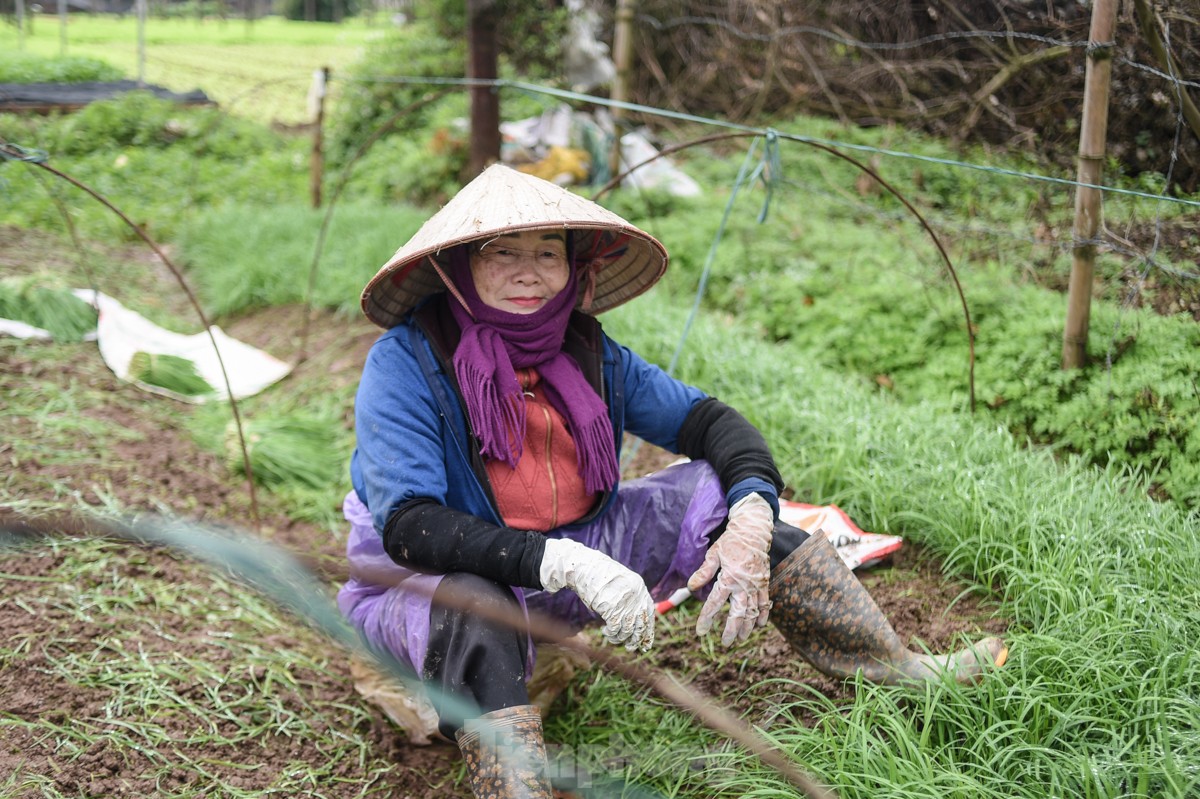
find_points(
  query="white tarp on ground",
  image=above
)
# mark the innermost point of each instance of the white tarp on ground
(121, 332)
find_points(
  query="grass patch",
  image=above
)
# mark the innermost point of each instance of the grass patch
(248, 256)
(158, 164)
(170, 372)
(299, 448)
(185, 699)
(56, 310)
(21, 67)
(882, 307)
(260, 69)
(1099, 578)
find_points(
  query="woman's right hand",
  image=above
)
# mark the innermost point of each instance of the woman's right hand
(614, 592)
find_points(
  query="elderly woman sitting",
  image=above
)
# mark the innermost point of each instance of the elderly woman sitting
(489, 420)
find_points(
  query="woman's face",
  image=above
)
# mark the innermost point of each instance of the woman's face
(520, 272)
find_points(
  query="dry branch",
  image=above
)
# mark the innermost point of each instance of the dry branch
(1163, 57)
(931, 66)
(984, 95)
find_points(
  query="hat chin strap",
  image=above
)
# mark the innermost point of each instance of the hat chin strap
(589, 283)
(453, 289)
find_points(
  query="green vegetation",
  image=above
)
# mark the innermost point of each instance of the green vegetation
(56, 310)
(246, 256)
(18, 67)
(158, 162)
(884, 310)
(140, 120)
(297, 448)
(170, 372)
(1100, 578)
(194, 684)
(529, 38)
(832, 324)
(258, 69)
(323, 10)
(423, 148)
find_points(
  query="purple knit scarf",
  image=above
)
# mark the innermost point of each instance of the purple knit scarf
(494, 344)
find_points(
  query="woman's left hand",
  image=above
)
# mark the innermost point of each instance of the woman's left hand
(741, 562)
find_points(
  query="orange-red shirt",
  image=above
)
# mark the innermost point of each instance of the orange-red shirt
(545, 490)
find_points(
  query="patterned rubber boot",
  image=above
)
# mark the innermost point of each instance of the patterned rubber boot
(505, 754)
(828, 617)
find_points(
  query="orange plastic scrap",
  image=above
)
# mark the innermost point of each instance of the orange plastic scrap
(859, 549)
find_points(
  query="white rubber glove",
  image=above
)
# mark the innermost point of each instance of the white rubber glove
(615, 593)
(741, 556)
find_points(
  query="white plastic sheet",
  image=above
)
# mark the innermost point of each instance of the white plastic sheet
(121, 332)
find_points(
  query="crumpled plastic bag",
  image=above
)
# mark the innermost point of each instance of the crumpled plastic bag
(562, 166)
(409, 708)
(857, 549)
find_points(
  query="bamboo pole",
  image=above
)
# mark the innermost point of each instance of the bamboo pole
(623, 60)
(1089, 201)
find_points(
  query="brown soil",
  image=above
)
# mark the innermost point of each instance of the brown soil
(156, 462)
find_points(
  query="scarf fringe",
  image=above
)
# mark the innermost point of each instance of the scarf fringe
(502, 435)
(596, 454)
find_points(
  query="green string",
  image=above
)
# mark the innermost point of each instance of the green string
(685, 117)
(769, 171)
(15, 152)
(745, 175)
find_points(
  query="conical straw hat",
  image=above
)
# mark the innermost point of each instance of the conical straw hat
(624, 260)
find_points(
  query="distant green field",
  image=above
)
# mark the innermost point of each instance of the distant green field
(261, 69)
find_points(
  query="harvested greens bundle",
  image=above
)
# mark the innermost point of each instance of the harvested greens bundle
(170, 372)
(55, 310)
(286, 449)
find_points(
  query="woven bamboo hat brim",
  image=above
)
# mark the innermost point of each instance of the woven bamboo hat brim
(623, 260)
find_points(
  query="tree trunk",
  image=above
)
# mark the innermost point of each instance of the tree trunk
(623, 60)
(485, 101)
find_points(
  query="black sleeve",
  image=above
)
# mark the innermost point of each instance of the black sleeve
(715, 432)
(428, 536)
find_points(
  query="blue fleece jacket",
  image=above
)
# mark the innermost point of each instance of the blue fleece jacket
(414, 441)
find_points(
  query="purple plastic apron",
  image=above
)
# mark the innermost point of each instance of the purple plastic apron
(657, 526)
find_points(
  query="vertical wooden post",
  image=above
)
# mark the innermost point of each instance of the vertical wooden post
(623, 60)
(482, 57)
(317, 161)
(62, 27)
(20, 24)
(141, 43)
(1089, 201)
